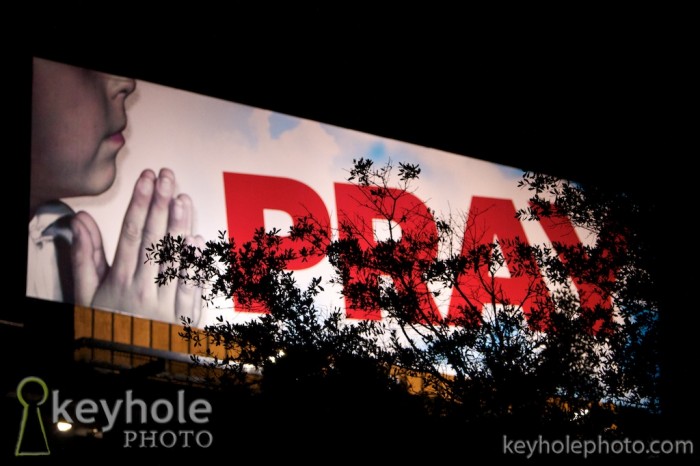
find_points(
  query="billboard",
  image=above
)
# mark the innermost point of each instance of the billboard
(116, 164)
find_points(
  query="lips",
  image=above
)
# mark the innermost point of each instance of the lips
(117, 138)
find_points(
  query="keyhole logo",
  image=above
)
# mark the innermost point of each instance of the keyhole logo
(31, 444)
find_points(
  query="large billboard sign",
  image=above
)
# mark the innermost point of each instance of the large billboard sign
(116, 164)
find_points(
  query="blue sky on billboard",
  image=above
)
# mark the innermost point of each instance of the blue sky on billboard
(377, 152)
(279, 123)
(514, 173)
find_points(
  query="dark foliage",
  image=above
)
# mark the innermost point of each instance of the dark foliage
(571, 350)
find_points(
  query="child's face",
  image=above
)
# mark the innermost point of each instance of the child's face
(78, 117)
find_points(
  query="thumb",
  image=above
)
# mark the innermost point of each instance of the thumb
(87, 257)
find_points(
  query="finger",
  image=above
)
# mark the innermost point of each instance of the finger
(180, 218)
(128, 254)
(188, 300)
(179, 224)
(85, 276)
(156, 224)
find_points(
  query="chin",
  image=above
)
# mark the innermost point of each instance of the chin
(100, 182)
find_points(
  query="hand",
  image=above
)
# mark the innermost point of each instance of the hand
(129, 284)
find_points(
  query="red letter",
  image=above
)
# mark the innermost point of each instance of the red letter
(247, 197)
(561, 233)
(358, 207)
(492, 220)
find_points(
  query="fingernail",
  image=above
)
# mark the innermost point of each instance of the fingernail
(177, 209)
(165, 186)
(145, 185)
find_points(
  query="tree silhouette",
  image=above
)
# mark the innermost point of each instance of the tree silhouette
(503, 334)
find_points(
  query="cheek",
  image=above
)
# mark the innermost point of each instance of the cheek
(68, 149)
(72, 177)
(72, 166)
(69, 141)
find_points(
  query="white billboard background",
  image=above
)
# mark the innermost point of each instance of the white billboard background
(201, 137)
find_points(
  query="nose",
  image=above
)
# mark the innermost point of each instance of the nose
(119, 86)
